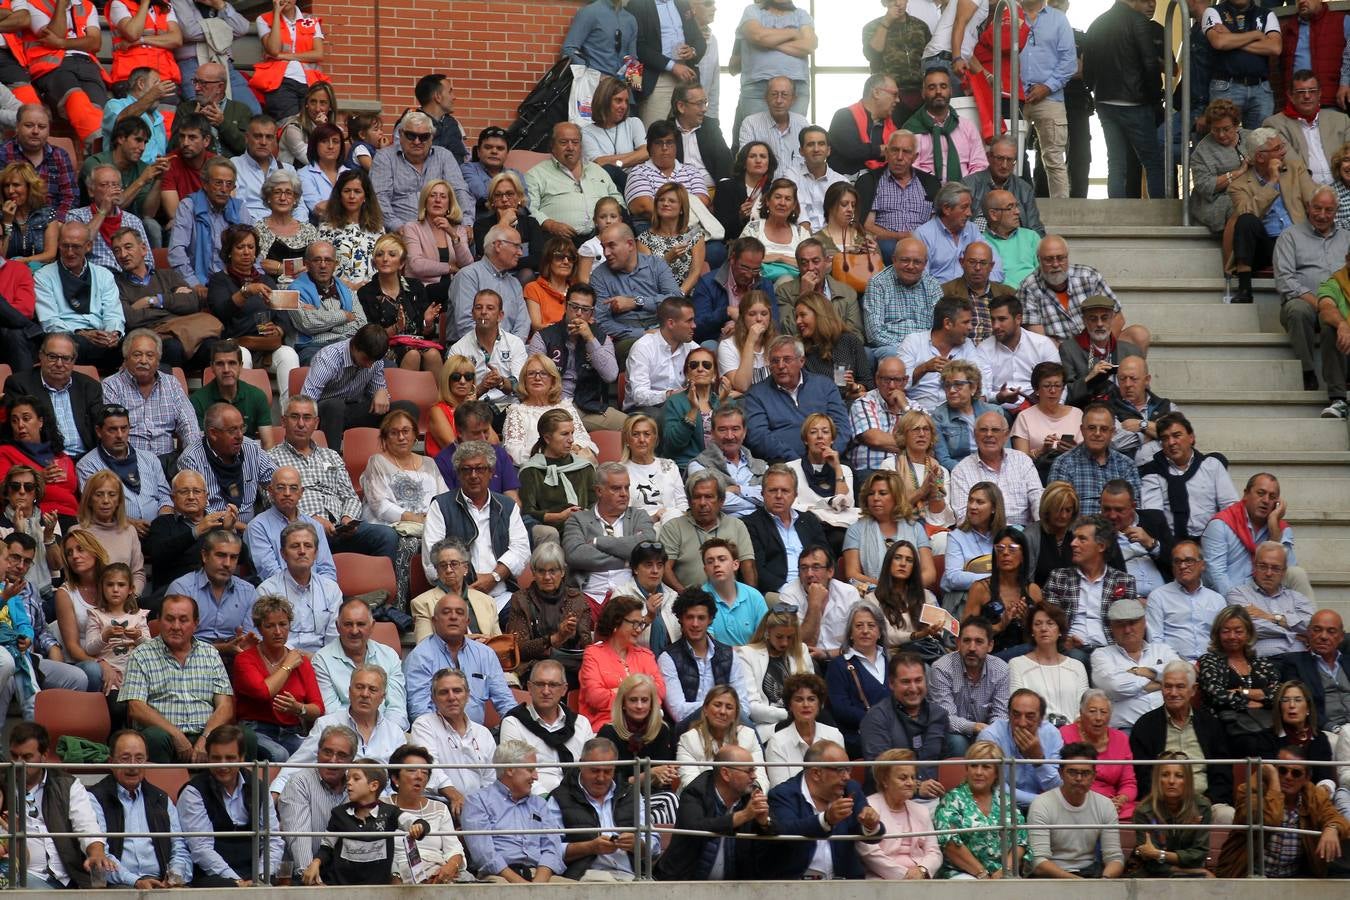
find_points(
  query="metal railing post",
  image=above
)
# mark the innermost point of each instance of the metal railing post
(17, 879)
(1251, 834)
(255, 809)
(640, 845)
(1183, 145)
(1008, 814)
(1014, 11)
(265, 790)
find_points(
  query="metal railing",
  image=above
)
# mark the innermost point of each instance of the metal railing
(1181, 142)
(644, 830)
(1014, 10)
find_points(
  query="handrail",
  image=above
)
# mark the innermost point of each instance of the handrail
(1014, 9)
(1170, 80)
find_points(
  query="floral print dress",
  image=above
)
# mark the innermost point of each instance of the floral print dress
(958, 809)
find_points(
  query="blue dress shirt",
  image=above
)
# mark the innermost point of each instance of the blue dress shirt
(217, 620)
(486, 680)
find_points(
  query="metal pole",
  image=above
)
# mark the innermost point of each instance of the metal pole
(264, 790)
(19, 878)
(255, 808)
(1183, 145)
(1251, 844)
(1014, 74)
(638, 843)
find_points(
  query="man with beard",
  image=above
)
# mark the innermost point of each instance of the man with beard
(141, 180)
(1054, 294)
(950, 147)
(970, 684)
(1092, 357)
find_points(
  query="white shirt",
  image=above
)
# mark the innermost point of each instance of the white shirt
(1129, 699)
(517, 552)
(475, 746)
(692, 155)
(1318, 167)
(811, 193)
(1209, 490)
(655, 367)
(834, 619)
(549, 776)
(1012, 365)
(387, 736)
(876, 667)
(295, 71)
(822, 858)
(600, 583)
(786, 745)
(917, 349)
(1087, 623)
(42, 850)
(1140, 564)
(507, 357)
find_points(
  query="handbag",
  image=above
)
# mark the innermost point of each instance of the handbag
(853, 269)
(1246, 721)
(507, 649)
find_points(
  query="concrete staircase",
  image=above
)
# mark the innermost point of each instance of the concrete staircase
(1229, 367)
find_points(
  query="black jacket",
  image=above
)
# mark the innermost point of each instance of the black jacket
(849, 153)
(1155, 523)
(712, 147)
(86, 396)
(649, 40)
(770, 554)
(1302, 666)
(867, 190)
(577, 812)
(1148, 739)
(794, 814)
(683, 859)
(1121, 61)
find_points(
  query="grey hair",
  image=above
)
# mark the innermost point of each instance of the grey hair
(301, 400)
(1324, 189)
(343, 732)
(416, 118)
(548, 554)
(1185, 668)
(376, 669)
(870, 607)
(513, 753)
(1272, 545)
(606, 469)
(297, 526)
(782, 339)
(319, 243)
(276, 179)
(1255, 140)
(1093, 694)
(93, 173)
(215, 414)
(1004, 140)
(136, 334)
(599, 745)
(448, 672)
(221, 162)
(498, 233)
(449, 543)
(949, 195)
(473, 450)
(902, 133)
(702, 475)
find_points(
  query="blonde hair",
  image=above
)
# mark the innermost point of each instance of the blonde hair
(455, 362)
(392, 239)
(899, 490)
(1056, 496)
(454, 213)
(654, 718)
(985, 750)
(90, 544)
(959, 367)
(815, 418)
(505, 175)
(701, 728)
(96, 481)
(24, 172)
(883, 774)
(632, 422)
(555, 390)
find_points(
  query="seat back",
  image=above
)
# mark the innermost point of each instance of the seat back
(259, 378)
(361, 574)
(77, 713)
(358, 446)
(296, 383)
(387, 633)
(610, 445)
(418, 388)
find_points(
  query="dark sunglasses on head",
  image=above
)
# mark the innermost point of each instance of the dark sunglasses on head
(784, 608)
(651, 545)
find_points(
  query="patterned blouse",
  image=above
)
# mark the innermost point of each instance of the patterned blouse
(958, 809)
(355, 251)
(1218, 679)
(282, 247)
(660, 245)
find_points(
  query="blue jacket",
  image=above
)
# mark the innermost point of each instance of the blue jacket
(794, 814)
(953, 437)
(773, 422)
(711, 301)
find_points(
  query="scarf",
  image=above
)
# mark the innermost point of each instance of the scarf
(1296, 115)
(950, 161)
(547, 609)
(1178, 497)
(554, 740)
(1235, 517)
(635, 730)
(78, 289)
(38, 451)
(204, 243)
(822, 479)
(555, 473)
(229, 475)
(126, 470)
(110, 224)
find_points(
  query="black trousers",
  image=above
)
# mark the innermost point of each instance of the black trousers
(338, 414)
(1251, 245)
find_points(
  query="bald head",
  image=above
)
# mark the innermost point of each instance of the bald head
(910, 260)
(991, 433)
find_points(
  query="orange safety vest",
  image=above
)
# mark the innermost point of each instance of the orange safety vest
(12, 39)
(43, 59)
(127, 59)
(863, 122)
(268, 74)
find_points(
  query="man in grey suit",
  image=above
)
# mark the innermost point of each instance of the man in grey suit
(814, 267)
(1331, 127)
(598, 541)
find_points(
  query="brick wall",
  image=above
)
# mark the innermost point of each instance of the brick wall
(494, 50)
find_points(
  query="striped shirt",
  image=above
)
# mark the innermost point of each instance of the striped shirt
(645, 179)
(334, 376)
(328, 490)
(258, 470)
(157, 418)
(183, 693)
(871, 411)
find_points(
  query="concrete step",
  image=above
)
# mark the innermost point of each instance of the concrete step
(1201, 405)
(1147, 258)
(1288, 464)
(1192, 318)
(1259, 433)
(1320, 554)
(1060, 214)
(1174, 366)
(1220, 350)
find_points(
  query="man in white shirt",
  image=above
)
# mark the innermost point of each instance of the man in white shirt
(497, 354)
(656, 361)
(1129, 670)
(1011, 352)
(691, 665)
(994, 461)
(1181, 612)
(778, 126)
(823, 602)
(812, 174)
(556, 733)
(926, 354)
(1189, 487)
(256, 163)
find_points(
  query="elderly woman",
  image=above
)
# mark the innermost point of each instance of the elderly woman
(778, 228)
(1114, 781)
(887, 517)
(456, 385)
(613, 139)
(804, 700)
(28, 225)
(440, 849)
(550, 619)
(24, 488)
(1059, 679)
(506, 206)
(353, 223)
(615, 655)
(976, 803)
(1216, 162)
(439, 241)
(28, 439)
(325, 165)
(955, 418)
(320, 108)
(1164, 852)
(856, 678)
(540, 390)
(282, 238)
(402, 307)
(238, 295)
(832, 349)
(774, 653)
(103, 513)
(900, 857)
(1237, 686)
(546, 296)
(925, 478)
(717, 725)
(276, 690)
(450, 558)
(687, 416)
(1040, 429)
(655, 483)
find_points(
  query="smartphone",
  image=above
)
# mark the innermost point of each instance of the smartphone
(1068, 439)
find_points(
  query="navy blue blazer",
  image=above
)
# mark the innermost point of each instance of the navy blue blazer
(794, 814)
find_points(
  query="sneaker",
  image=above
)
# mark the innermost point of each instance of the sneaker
(1337, 410)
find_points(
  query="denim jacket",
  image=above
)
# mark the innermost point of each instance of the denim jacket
(954, 435)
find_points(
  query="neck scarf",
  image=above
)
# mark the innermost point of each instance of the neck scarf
(554, 740)
(126, 470)
(1235, 517)
(548, 607)
(229, 475)
(77, 289)
(940, 135)
(1295, 114)
(110, 224)
(555, 473)
(204, 243)
(820, 479)
(38, 451)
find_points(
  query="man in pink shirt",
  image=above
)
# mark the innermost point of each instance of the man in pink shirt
(959, 142)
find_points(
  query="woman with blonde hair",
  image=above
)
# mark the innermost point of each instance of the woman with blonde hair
(540, 390)
(506, 201)
(742, 356)
(655, 484)
(401, 306)
(1048, 539)
(832, 346)
(546, 296)
(674, 237)
(886, 517)
(28, 225)
(638, 730)
(77, 596)
(977, 803)
(717, 725)
(925, 478)
(439, 243)
(775, 651)
(320, 108)
(824, 482)
(1161, 852)
(900, 857)
(455, 383)
(103, 513)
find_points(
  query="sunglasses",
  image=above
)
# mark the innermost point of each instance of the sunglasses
(652, 545)
(23, 487)
(1291, 771)
(460, 376)
(784, 608)
(701, 364)
(417, 137)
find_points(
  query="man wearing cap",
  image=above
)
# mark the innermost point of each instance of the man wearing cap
(1090, 358)
(1130, 670)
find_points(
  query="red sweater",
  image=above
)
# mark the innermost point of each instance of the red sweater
(60, 496)
(16, 287)
(252, 702)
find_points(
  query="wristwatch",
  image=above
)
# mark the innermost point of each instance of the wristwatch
(496, 577)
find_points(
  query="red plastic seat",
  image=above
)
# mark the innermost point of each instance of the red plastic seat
(361, 574)
(418, 388)
(610, 445)
(77, 713)
(358, 446)
(387, 633)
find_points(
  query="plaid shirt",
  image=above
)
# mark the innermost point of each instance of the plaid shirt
(1063, 588)
(969, 703)
(901, 208)
(157, 418)
(183, 693)
(1282, 847)
(333, 375)
(1042, 306)
(893, 311)
(1088, 478)
(101, 252)
(258, 470)
(328, 490)
(56, 168)
(872, 411)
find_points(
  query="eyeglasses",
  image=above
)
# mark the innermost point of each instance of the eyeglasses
(890, 379)
(811, 567)
(1291, 771)
(957, 384)
(58, 358)
(417, 137)
(474, 470)
(563, 254)
(112, 411)
(1186, 561)
(580, 309)
(1305, 92)
(1006, 548)
(202, 82)
(550, 685)
(23, 487)
(460, 376)
(451, 564)
(701, 364)
(1268, 567)
(190, 491)
(537, 374)
(636, 624)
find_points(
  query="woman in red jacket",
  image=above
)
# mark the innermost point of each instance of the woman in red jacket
(614, 657)
(275, 689)
(27, 439)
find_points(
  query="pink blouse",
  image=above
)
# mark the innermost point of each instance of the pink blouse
(901, 851)
(1111, 780)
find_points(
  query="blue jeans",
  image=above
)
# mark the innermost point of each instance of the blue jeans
(276, 742)
(94, 672)
(368, 538)
(1129, 128)
(1255, 100)
(238, 86)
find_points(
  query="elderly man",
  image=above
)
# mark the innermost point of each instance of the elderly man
(899, 299)
(346, 379)
(656, 360)
(227, 359)
(235, 467)
(724, 800)
(894, 201)
(264, 531)
(860, 132)
(1232, 536)
(1271, 196)
(337, 662)
(1280, 614)
(814, 277)
(1181, 612)
(498, 354)
(32, 144)
(1025, 734)
(78, 298)
(315, 597)
(1083, 852)
(1307, 254)
(683, 536)
(1055, 276)
(1311, 133)
(776, 407)
(1319, 668)
(1129, 669)
(398, 172)
(1089, 371)
(1136, 408)
(585, 358)
(778, 125)
(1014, 245)
(311, 794)
(874, 416)
(56, 802)
(506, 807)
(126, 801)
(328, 311)
(823, 602)
(1179, 725)
(813, 175)
(591, 798)
(1093, 462)
(224, 601)
(1001, 176)
(157, 404)
(914, 721)
(950, 232)
(439, 731)
(221, 799)
(1011, 352)
(1143, 535)
(171, 543)
(974, 283)
(820, 802)
(200, 220)
(563, 190)
(451, 555)
(1048, 61)
(473, 422)
(501, 253)
(701, 142)
(327, 496)
(228, 117)
(718, 291)
(177, 688)
(950, 148)
(629, 288)
(662, 168)
(258, 163)
(970, 684)
(71, 400)
(926, 354)
(156, 298)
(727, 456)
(1087, 589)
(104, 183)
(598, 541)
(145, 490)
(1012, 471)
(556, 733)
(780, 532)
